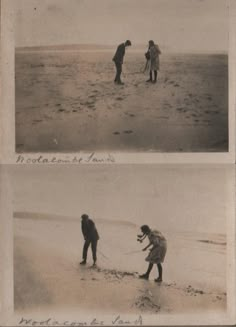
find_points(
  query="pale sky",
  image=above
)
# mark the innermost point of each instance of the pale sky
(179, 198)
(176, 25)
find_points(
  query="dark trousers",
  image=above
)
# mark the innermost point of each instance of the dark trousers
(94, 249)
(118, 72)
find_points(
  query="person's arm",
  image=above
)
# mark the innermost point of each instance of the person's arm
(120, 53)
(147, 246)
(83, 228)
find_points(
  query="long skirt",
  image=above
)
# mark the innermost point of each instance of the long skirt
(155, 63)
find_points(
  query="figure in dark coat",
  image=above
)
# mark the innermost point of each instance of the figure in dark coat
(90, 237)
(119, 59)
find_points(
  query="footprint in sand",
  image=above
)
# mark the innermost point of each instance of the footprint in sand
(61, 110)
(130, 115)
(74, 110)
(116, 133)
(119, 99)
(128, 131)
(91, 106)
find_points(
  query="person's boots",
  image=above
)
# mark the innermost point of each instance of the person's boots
(83, 262)
(150, 78)
(159, 279)
(146, 275)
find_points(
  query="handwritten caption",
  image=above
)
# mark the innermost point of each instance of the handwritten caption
(74, 159)
(116, 321)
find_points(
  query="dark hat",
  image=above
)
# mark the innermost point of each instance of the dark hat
(151, 42)
(128, 42)
(84, 216)
(145, 229)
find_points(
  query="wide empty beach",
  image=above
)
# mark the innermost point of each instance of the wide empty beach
(66, 100)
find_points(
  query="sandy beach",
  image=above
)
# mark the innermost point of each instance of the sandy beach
(48, 241)
(47, 251)
(66, 101)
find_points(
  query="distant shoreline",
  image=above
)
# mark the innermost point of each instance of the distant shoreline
(106, 48)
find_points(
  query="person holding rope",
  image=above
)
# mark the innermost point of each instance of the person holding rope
(91, 237)
(157, 252)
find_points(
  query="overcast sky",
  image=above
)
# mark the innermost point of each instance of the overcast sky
(191, 25)
(175, 197)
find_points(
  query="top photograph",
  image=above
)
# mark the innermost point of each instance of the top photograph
(121, 76)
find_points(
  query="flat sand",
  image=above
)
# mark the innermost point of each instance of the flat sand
(67, 101)
(47, 274)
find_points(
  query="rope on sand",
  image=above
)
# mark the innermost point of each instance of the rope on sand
(132, 252)
(103, 255)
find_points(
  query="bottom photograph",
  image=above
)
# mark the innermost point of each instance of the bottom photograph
(131, 242)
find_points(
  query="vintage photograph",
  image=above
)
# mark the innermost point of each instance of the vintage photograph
(121, 76)
(121, 240)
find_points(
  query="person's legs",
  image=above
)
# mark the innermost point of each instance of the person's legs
(94, 251)
(85, 251)
(150, 77)
(155, 76)
(118, 72)
(146, 275)
(159, 267)
(115, 80)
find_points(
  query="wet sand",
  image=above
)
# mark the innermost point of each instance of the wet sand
(67, 101)
(47, 274)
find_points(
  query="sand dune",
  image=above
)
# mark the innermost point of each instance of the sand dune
(67, 101)
(47, 273)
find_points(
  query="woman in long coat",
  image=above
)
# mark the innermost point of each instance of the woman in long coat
(157, 252)
(153, 54)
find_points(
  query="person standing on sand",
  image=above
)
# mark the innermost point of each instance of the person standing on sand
(157, 252)
(90, 237)
(118, 60)
(153, 55)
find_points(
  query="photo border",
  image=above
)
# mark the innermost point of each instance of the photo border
(7, 113)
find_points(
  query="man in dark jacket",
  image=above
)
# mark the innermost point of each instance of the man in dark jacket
(90, 237)
(118, 60)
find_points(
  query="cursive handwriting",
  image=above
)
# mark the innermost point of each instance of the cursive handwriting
(74, 159)
(117, 321)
